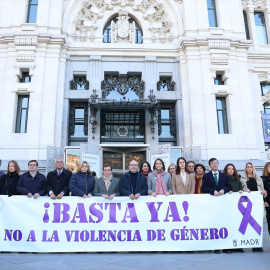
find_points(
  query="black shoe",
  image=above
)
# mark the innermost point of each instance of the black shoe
(254, 249)
(227, 251)
(217, 251)
(260, 249)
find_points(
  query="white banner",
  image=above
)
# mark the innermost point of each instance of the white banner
(173, 223)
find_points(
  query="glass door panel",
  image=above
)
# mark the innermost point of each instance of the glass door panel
(114, 159)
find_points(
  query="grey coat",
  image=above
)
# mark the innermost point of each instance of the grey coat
(151, 182)
(100, 187)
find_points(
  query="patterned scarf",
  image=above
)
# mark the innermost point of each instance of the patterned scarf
(160, 184)
(145, 174)
(198, 184)
(107, 181)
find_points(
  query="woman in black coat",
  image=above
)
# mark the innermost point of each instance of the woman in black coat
(82, 183)
(8, 182)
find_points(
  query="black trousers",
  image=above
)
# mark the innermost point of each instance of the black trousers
(268, 217)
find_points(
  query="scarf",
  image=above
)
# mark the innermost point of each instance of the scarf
(146, 174)
(198, 184)
(107, 181)
(160, 184)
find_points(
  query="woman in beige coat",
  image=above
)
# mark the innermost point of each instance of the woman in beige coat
(182, 181)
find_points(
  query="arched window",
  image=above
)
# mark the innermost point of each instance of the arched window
(107, 31)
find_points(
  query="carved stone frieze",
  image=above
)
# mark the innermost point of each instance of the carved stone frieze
(25, 58)
(218, 61)
(220, 45)
(86, 23)
(255, 4)
(26, 41)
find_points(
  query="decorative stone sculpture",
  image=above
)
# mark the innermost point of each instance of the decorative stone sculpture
(122, 30)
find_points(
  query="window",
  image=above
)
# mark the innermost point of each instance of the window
(32, 11)
(265, 88)
(107, 31)
(123, 126)
(212, 17)
(218, 80)
(165, 84)
(167, 124)
(22, 114)
(79, 83)
(25, 78)
(260, 28)
(78, 123)
(246, 25)
(222, 116)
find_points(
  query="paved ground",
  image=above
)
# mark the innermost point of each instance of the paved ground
(120, 261)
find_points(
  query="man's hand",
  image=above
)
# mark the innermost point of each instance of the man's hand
(29, 195)
(105, 196)
(137, 196)
(112, 196)
(36, 195)
(84, 196)
(248, 190)
(221, 192)
(89, 195)
(132, 197)
(154, 194)
(59, 196)
(216, 193)
(52, 196)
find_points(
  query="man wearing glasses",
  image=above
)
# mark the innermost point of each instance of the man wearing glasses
(58, 181)
(32, 183)
(132, 183)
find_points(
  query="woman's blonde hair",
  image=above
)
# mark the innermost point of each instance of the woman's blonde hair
(172, 164)
(80, 166)
(253, 170)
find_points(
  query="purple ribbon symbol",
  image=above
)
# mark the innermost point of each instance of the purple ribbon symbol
(247, 217)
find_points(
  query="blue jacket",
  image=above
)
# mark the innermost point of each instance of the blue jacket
(82, 183)
(125, 185)
(209, 183)
(28, 184)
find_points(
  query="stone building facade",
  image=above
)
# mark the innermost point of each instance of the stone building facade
(126, 76)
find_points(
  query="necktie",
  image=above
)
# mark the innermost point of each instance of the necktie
(215, 176)
(59, 173)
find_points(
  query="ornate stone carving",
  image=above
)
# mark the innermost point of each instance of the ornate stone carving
(122, 85)
(266, 98)
(165, 84)
(91, 11)
(122, 30)
(25, 58)
(78, 82)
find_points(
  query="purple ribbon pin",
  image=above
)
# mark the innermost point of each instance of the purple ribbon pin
(247, 217)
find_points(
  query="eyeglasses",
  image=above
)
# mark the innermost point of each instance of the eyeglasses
(59, 162)
(32, 165)
(133, 164)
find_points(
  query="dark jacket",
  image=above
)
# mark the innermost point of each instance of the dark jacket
(101, 189)
(125, 185)
(2, 173)
(209, 183)
(82, 183)
(28, 184)
(235, 183)
(266, 184)
(58, 184)
(8, 184)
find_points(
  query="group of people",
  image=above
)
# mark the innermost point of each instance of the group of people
(182, 178)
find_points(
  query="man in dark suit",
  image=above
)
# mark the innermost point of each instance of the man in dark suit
(132, 183)
(58, 181)
(216, 183)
